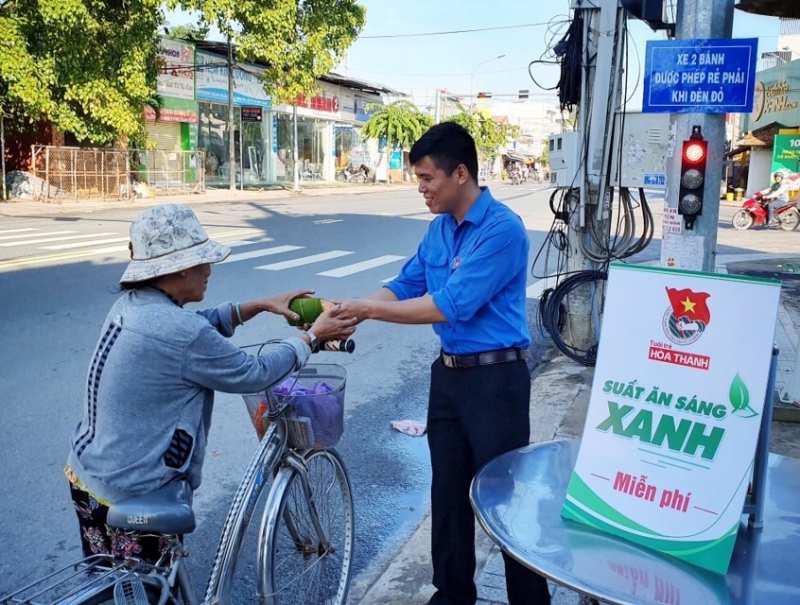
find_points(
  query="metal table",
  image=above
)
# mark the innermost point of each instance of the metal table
(517, 499)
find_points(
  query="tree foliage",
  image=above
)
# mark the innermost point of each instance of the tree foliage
(400, 123)
(189, 32)
(298, 40)
(88, 67)
(488, 134)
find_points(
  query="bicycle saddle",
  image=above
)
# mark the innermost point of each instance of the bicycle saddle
(166, 511)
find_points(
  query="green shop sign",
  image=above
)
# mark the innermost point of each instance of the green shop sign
(786, 153)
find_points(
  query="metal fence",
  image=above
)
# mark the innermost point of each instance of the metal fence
(78, 173)
(168, 172)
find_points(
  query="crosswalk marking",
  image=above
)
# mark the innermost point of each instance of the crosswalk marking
(94, 242)
(4, 231)
(304, 260)
(36, 235)
(258, 253)
(388, 279)
(362, 266)
(29, 242)
(238, 243)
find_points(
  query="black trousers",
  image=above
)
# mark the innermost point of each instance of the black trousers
(474, 415)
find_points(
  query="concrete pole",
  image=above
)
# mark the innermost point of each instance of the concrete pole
(3, 149)
(600, 83)
(231, 122)
(296, 149)
(437, 112)
(699, 19)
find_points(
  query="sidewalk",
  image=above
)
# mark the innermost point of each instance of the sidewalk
(24, 207)
(559, 401)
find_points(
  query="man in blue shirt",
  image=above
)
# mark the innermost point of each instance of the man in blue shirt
(468, 279)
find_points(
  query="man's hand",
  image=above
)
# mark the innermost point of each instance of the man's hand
(354, 310)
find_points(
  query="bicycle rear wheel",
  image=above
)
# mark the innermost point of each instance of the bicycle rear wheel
(296, 567)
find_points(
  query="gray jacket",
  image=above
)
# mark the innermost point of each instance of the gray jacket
(150, 392)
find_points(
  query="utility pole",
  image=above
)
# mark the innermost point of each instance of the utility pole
(231, 120)
(699, 19)
(295, 150)
(437, 112)
(603, 49)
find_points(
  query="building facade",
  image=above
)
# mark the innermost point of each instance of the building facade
(193, 87)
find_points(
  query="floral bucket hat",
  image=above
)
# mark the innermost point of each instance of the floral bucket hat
(167, 239)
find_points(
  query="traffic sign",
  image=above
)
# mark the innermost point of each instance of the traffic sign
(700, 76)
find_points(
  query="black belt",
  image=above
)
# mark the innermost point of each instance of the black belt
(483, 359)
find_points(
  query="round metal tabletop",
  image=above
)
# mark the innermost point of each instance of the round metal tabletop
(517, 498)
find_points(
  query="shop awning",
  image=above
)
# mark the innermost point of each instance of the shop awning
(221, 49)
(748, 142)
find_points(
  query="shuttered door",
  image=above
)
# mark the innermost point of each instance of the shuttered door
(166, 135)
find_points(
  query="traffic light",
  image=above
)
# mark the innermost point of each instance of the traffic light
(693, 177)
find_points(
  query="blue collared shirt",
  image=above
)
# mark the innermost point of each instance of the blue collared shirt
(477, 275)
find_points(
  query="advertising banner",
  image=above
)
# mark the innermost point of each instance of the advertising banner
(212, 82)
(786, 153)
(675, 410)
(176, 76)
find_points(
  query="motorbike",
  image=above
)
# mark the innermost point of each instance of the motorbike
(754, 213)
(348, 175)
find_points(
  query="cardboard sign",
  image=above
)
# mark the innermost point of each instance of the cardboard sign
(675, 410)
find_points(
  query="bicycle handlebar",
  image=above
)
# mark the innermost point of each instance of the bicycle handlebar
(344, 346)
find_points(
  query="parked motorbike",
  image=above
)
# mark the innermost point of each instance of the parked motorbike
(754, 213)
(349, 175)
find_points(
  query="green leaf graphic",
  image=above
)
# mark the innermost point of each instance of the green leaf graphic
(739, 395)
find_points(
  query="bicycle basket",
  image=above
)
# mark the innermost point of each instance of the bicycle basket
(315, 395)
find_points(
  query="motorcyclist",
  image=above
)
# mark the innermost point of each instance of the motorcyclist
(777, 195)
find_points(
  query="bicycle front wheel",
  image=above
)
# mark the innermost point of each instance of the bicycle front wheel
(299, 566)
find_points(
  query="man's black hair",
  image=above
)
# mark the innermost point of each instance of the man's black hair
(447, 145)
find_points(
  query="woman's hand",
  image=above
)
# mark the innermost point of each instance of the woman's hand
(279, 303)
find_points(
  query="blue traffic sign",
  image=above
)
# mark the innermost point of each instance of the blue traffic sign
(700, 76)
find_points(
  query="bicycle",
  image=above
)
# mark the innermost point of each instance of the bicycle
(305, 539)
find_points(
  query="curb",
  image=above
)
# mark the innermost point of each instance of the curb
(28, 208)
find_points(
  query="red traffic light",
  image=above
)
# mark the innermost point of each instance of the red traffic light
(694, 152)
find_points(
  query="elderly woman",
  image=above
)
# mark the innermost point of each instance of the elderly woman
(151, 381)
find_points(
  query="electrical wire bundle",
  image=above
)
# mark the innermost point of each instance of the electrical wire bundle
(553, 313)
(611, 232)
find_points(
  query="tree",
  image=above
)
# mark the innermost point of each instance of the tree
(488, 134)
(87, 67)
(189, 32)
(297, 40)
(399, 123)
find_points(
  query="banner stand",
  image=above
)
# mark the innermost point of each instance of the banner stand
(754, 504)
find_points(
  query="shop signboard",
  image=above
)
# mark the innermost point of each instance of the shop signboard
(177, 74)
(700, 76)
(396, 160)
(361, 112)
(251, 114)
(675, 411)
(212, 82)
(786, 153)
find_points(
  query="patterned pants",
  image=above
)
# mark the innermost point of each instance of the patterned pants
(97, 538)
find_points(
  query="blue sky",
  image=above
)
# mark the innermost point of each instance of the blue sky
(419, 65)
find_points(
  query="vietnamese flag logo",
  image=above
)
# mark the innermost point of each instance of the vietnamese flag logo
(687, 316)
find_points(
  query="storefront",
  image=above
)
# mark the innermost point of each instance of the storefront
(174, 127)
(252, 134)
(328, 134)
(775, 122)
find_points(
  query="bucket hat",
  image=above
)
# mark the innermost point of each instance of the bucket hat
(166, 239)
